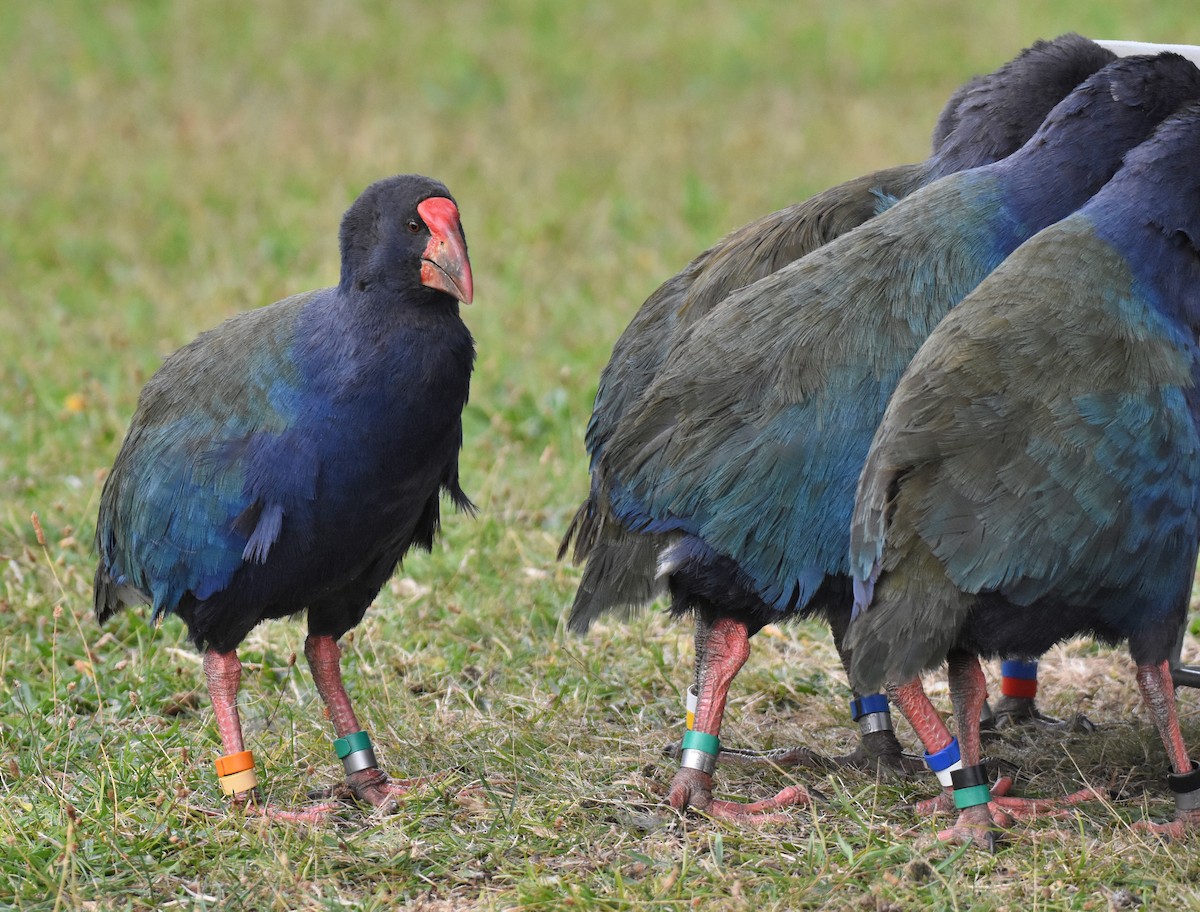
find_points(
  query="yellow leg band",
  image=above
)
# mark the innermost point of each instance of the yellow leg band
(238, 782)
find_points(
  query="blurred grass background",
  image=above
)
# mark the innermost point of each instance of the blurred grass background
(164, 165)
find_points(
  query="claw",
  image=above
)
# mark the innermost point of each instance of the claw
(692, 788)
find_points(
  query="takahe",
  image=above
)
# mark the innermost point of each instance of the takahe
(286, 461)
(985, 120)
(1037, 473)
(744, 451)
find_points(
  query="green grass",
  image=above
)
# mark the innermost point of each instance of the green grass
(164, 165)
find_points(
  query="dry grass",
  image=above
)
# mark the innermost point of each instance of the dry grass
(165, 165)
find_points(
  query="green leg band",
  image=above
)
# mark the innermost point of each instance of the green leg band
(971, 796)
(701, 741)
(352, 743)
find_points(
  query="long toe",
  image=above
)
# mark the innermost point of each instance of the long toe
(310, 816)
(1029, 808)
(976, 825)
(693, 789)
(943, 802)
(1023, 712)
(761, 811)
(253, 805)
(1184, 825)
(374, 787)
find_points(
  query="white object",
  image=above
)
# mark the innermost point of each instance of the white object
(1129, 48)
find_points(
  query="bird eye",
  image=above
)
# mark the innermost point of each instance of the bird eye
(414, 226)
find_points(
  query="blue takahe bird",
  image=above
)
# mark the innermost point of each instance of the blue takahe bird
(286, 461)
(1037, 473)
(744, 451)
(985, 120)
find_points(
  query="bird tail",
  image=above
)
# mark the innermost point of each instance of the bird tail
(108, 595)
(581, 530)
(621, 573)
(907, 629)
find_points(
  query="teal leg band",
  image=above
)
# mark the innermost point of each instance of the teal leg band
(701, 741)
(970, 786)
(971, 796)
(355, 752)
(357, 741)
(700, 751)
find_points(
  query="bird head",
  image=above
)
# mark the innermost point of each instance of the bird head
(404, 233)
(994, 115)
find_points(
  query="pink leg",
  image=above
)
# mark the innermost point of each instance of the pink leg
(969, 689)
(934, 735)
(921, 715)
(726, 651)
(1158, 692)
(370, 785)
(223, 674)
(968, 692)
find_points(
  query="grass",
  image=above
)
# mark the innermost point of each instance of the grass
(165, 165)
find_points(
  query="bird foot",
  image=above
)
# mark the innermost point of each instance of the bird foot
(1184, 824)
(1016, 808)
(877, 750)
(881, 751)
(1029, 808)
(1020, 712)
(252, 804)
(943, 802)
(692, 788)
(318, 813)
(375, 788)
(979, 825)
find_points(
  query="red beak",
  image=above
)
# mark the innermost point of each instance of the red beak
(444, 264)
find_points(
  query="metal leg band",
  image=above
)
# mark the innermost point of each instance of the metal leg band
(698, 760)
(359, 760)
(875, 722)
(1186, 788)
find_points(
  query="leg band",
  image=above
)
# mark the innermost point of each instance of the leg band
(700, 751)
(871, 713)
(970, 786)
(235, 773)
(1186, 788)
(235, 763)
(945, 762)
(355, 752)
(1018, 679)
